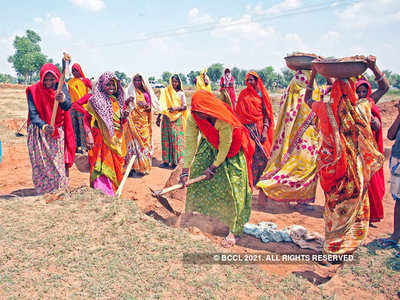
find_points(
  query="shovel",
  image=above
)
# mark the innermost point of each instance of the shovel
(159, 193)
(18, 133)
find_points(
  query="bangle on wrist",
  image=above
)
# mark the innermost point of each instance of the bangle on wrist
(310, 88)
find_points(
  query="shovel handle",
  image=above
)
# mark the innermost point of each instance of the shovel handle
(179, 186)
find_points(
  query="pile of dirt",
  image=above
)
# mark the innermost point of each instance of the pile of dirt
(12, 86)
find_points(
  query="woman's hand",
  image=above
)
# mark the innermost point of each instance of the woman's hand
(130, 100)
(89, 140)
(210, 172)
(48, 129)
(264, 135)
(375, 124)
(124, 114)
(184, 177)
(371, 61)
(60, 97)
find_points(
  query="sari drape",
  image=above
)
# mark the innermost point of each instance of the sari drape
(347, 159)
(376, 189)
(291, 172)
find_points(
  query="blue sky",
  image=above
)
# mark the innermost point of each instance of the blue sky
(119, 35)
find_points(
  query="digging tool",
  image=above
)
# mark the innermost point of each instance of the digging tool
(258, 142)
(65, 63)
(18, 133)
(127, 171)
(159, 193)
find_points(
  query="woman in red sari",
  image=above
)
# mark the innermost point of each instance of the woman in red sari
(228, 83)
(254, 110)
(51, 148)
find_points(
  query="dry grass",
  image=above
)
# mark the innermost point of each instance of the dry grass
(87, 245)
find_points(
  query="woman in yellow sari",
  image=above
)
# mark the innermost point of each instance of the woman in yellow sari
(78, 87)
(203, 81)
(138, 132)
(174, 114)
(291, 172)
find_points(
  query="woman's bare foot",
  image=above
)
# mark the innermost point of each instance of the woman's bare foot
(228, 241)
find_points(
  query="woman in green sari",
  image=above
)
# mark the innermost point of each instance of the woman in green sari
(224, 154)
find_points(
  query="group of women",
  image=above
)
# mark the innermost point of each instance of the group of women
(235, 144)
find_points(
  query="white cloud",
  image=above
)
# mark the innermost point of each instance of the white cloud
(57, 26)
(369, 13)
(194, 17)
(193, 12)
(38, 20)
(92, 5)
(275, 9)
(330, 36)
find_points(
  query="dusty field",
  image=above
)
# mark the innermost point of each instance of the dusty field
(86, 245)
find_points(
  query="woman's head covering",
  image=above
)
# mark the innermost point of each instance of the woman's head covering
(367, 85)
(49, 68)
(131, 92)
(169, 98)
(207, 103)
(101, 102)
(78, 68)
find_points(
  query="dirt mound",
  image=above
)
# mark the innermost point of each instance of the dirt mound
(12, 86)
(173, 179)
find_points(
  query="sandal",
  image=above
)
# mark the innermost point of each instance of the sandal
(228, 241)
(387, 244)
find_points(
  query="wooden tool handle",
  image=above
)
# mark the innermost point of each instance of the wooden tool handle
(127, 171)
(179, 186)
(66, 61)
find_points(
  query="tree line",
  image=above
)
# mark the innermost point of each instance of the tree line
(28, 59)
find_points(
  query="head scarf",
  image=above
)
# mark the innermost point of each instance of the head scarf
(85, 80)
(227, 77)
(249, 110)
(43, 99)
(205, 102)
(200, 82)
(101, 102)
(131, 92)
(169, 98)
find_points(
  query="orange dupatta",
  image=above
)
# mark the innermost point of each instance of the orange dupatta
(249, 108)
(207, 103)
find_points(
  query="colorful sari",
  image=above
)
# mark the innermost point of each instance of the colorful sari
(251, 108)
(106, 159)
(227, 83)
(138, 132)
(291, 172)
(50, 155)
(201, 84)
(227, 196)
(376, 189)
(172, 125)
(347, 159)
(78, 88)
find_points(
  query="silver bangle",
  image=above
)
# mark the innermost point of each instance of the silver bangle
(309, 88)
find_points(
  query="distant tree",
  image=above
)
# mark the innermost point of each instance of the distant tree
(242, 77)
(192, 76)
(287, 76)
(28, 58)
(183, 78)
(395, 81)
(215, 72)
(166, 76)
(235, 73)
(6, 78)
(123, 77)
(152, 79)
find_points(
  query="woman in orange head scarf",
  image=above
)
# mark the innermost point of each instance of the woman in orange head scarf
(254, 110)
(224, 155)
(347, 159)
